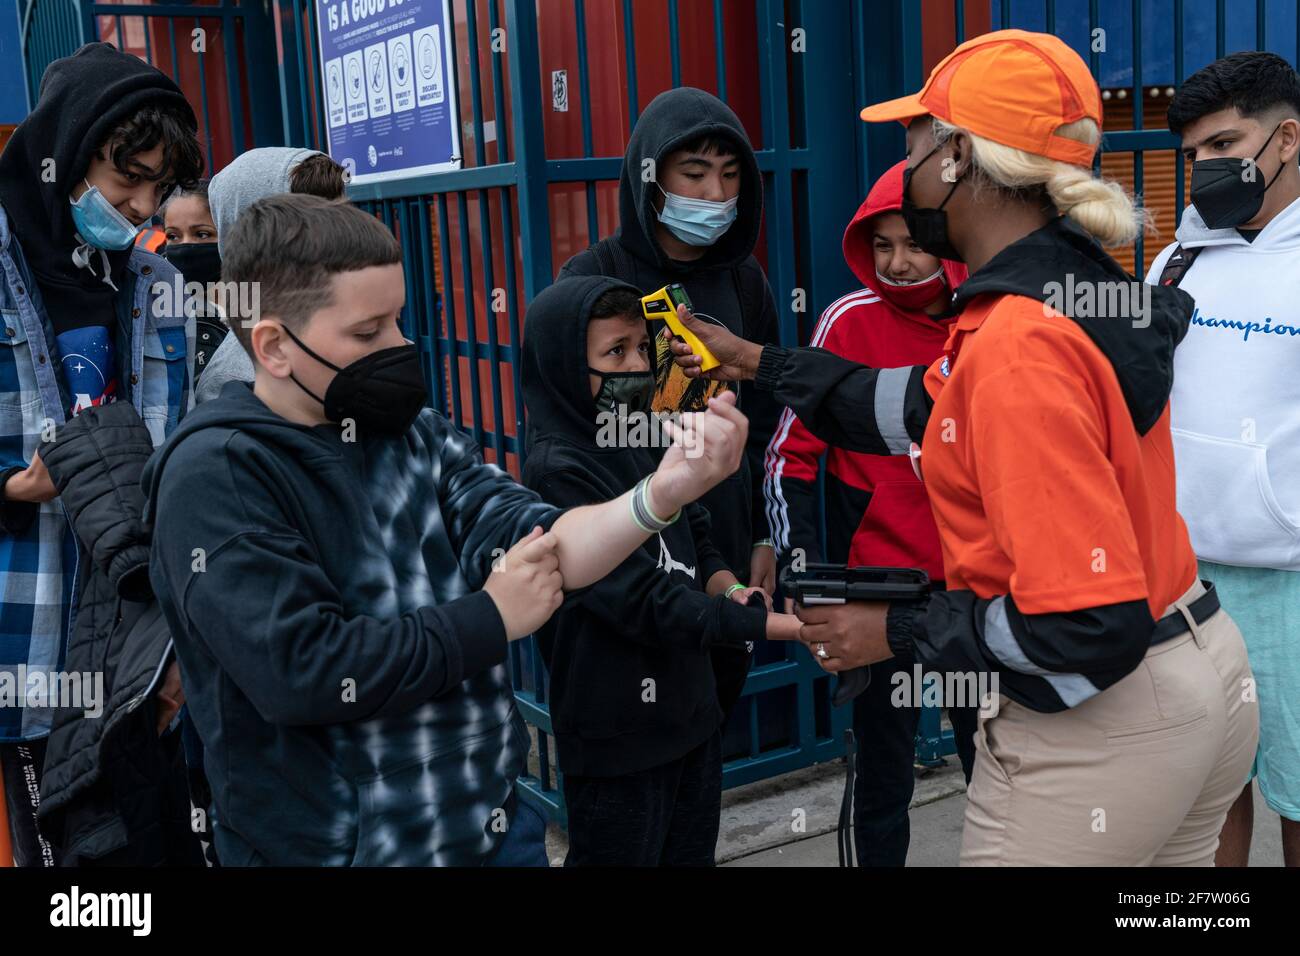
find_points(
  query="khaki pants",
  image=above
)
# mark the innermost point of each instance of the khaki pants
(1142, 774)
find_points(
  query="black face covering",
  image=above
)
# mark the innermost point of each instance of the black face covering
(382, 392)
(197, 261)
(1221, 192)
(634, 391)
(929, 227)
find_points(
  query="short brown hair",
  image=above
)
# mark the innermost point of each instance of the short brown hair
(318, 175)
(617, 303)
(290, 246)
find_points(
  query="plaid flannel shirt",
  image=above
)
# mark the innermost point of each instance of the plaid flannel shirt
(38, 567)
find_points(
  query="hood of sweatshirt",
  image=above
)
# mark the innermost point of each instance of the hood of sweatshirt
(1282, 232)
(1062, 256)
(82, 98)
(672, 119)
(887, 196)
(556, 383)
(253, 175)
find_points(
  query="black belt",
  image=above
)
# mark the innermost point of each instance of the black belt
(1174, 624)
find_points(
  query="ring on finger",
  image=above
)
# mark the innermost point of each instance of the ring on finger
(821, 651)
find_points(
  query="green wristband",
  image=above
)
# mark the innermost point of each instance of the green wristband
(735, 587)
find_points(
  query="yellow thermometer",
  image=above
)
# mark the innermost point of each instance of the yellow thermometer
(662, 306)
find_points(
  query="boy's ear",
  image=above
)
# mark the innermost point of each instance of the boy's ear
(267, 344)
(1290, 132)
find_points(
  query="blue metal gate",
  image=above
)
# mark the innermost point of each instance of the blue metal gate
(785, 720)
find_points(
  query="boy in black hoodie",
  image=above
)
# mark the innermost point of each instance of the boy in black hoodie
(690, 210)
(634, 702)
(342, 623)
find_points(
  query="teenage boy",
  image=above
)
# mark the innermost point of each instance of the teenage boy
(877, 511)
(690, 204)
(1236, 395)
(108, 139)
(634, 701)
(342, 622)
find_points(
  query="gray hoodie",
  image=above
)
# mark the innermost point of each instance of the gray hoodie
(255, 175)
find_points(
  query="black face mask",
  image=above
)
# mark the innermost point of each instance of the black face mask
(929, 227)
(197, 261)
(634, 391)
(382, 392)
(1223, 195)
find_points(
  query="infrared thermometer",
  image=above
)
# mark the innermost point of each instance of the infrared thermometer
(662, 306)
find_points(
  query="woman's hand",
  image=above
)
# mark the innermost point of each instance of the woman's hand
(852, 634)
(739, 358)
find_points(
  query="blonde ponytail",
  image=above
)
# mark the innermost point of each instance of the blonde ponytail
(1100, 206)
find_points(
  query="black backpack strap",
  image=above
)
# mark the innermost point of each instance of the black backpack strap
(604, 258)
(613, 260)
(1179, 261)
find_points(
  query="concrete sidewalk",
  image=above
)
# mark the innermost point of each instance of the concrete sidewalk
(937, 811)
(791, 820)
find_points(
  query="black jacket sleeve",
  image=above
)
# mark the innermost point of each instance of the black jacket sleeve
(291, 650)
(642, 604)
(869, 410)
(95, 462)
(708, 559)
(1048, 662)
(484, 509)
(760, 405)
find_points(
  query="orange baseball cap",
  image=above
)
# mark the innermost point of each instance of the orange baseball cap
(1012, 87)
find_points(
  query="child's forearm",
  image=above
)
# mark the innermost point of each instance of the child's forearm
(595, 539)
(719, 583)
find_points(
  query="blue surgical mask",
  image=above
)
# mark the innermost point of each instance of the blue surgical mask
(99, 223)
(696, 222)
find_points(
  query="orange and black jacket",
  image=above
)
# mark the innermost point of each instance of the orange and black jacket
(1046, 451)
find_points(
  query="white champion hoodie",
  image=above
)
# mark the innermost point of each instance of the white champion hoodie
(1235, 406)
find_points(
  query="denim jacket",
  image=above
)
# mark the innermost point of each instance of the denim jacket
(38, 565)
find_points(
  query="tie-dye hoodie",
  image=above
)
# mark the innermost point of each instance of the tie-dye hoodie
(342, 666)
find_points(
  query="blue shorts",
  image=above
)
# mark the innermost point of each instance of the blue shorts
(1265, 604)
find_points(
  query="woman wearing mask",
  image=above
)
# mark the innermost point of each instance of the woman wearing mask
(1126, 724)
(192, 249)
